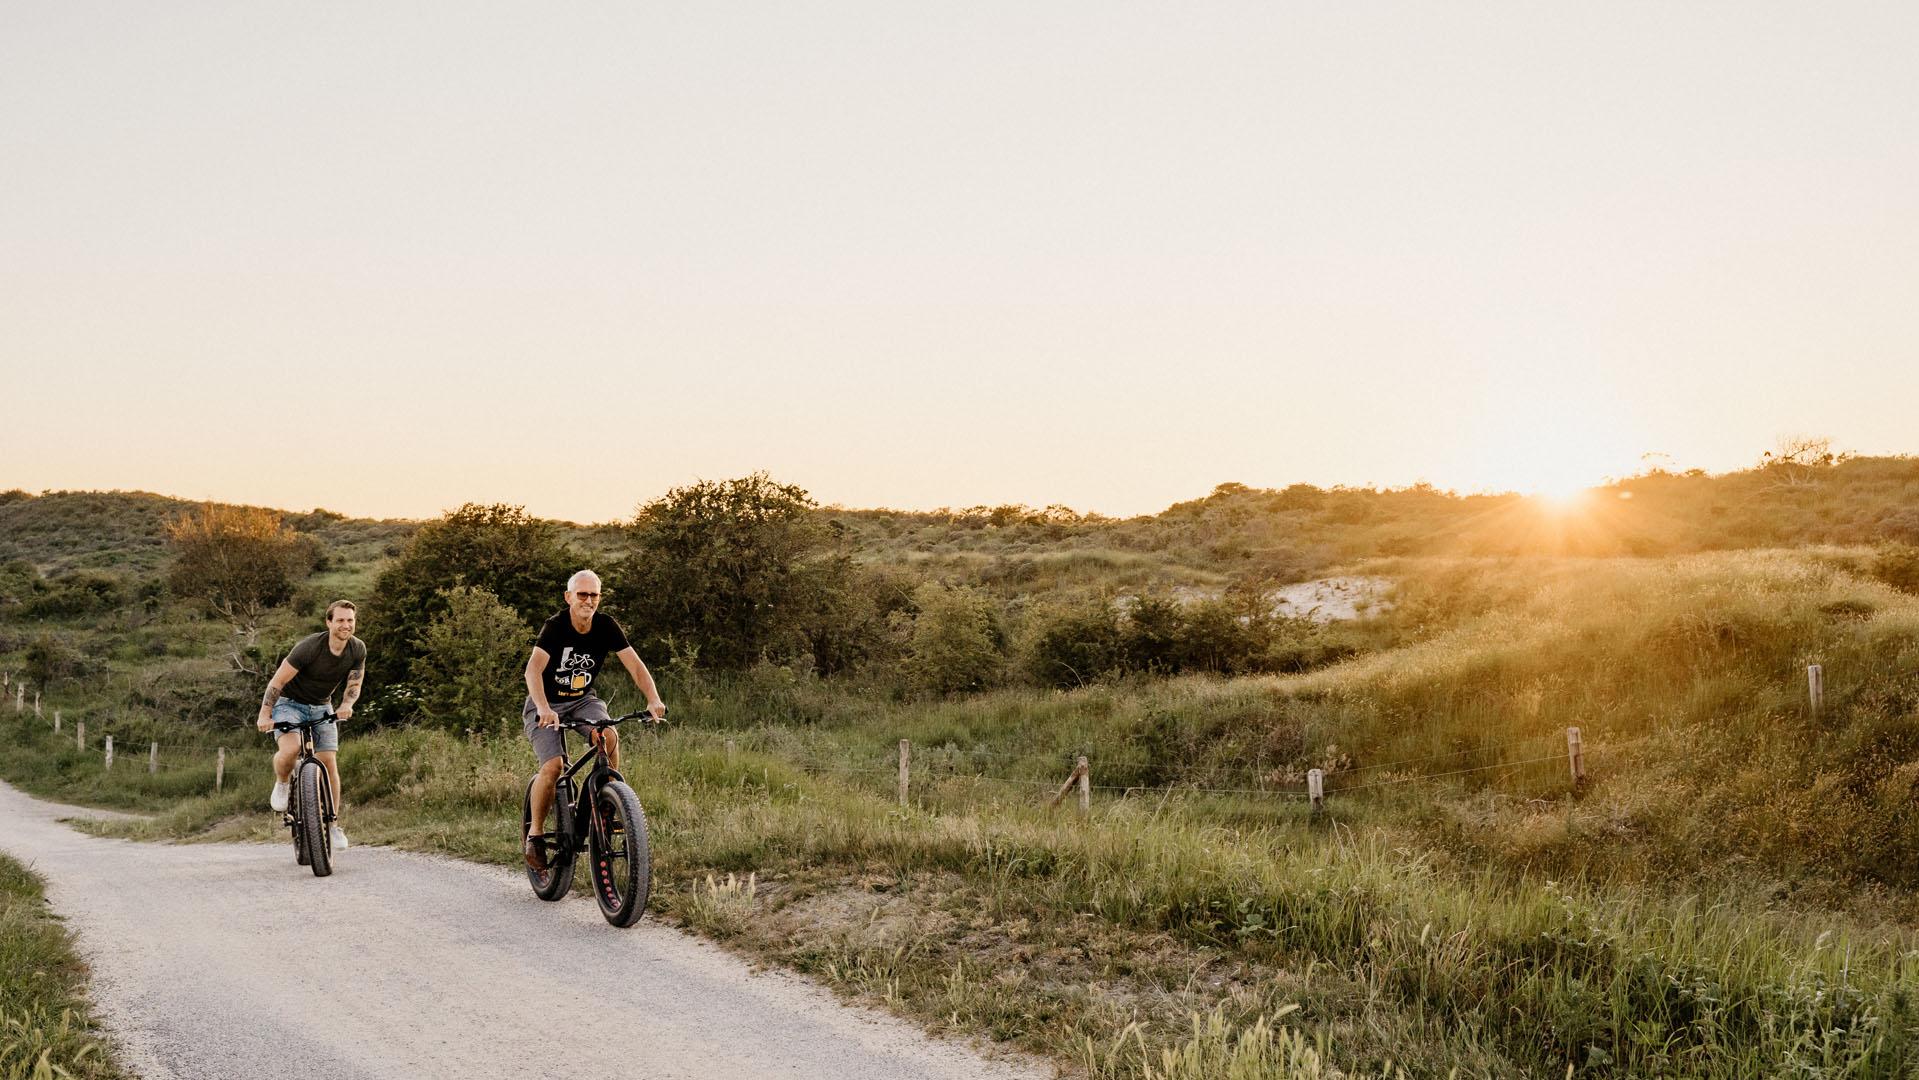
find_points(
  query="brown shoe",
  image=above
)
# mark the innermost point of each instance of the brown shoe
(535, 853)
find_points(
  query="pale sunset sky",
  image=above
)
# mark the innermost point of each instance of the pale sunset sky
(387, 259)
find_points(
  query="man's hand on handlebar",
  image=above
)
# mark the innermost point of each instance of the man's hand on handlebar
(265, 723)
(548, 717)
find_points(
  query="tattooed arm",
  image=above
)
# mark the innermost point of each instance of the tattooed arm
(345, 711)
(274, 687)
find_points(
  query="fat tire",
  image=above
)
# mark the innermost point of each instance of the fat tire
(312, 825)
(556, 880)
(621, 888)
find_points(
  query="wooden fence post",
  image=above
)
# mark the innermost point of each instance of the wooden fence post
(1085, 772)
(56, 721)
(220, 769)
(36, 704)
(1079, 771)
(906, 755)
(730, 748)
(20, 696)
(153, 759)
(79, 734)
(1816, 686)
(109, 752)
(1316, 788)
(1576, 756)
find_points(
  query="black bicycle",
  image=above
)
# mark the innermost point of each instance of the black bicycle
(603, 820)
(309, 813)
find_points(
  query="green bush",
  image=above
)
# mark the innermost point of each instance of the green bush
(521, 560)
(955, 642)
(82, 592)
(471, 657)
(51, 660)
(1071, 644)
(740, 572)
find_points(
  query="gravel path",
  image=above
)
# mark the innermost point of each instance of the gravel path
(227, 960)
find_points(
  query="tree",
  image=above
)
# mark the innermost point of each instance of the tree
(519, 559)
(468, 673)
(239, 561)
(955, 642)
(741, 570)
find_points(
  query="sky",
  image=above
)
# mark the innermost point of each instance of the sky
(388, 259)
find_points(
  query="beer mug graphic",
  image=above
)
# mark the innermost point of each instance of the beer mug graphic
(578, 681)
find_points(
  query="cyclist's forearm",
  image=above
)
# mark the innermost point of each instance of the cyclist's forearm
(352, 690)
(536, 691)
(271, 698)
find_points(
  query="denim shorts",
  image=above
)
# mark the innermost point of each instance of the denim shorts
(326, 737)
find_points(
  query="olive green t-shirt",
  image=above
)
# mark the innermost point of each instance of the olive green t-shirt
(321, 672)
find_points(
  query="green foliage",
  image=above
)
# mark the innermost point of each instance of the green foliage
(1071, 644)
(51, 660)
(519, 559)
(45, 1030)
(1898, 566)
(471, 656)
(238, 561)
(743, 571)
(78, 593)
(19, 581)
(954, 642)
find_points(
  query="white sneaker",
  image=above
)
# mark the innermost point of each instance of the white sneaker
(278, 800)
(339, 839)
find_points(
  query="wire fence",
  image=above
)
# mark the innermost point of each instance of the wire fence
(943, 763)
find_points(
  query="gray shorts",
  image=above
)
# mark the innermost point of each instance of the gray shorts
(546, 741)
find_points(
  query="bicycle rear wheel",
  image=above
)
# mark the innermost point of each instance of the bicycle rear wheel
(553, 882)
(312, 825)
(622, 859)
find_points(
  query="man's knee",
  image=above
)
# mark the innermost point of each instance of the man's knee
(550, 770)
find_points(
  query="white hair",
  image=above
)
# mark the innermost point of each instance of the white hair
(573, 583)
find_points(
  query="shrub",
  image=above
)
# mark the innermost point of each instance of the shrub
(239, 561)
(50, 659)
(1072, 644)
(516, 557)
(955, 641)
(468, 673)
(1898, 566)
(82, 592)
(741, 571)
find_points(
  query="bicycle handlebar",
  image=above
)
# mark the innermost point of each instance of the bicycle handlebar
(281, 727)
(584, 725)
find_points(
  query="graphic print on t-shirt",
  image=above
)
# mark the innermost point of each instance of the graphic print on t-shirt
(573, 658)
(575, 670)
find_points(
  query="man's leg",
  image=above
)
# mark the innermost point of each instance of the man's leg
(283, 758)
(544, 782)
(612, 736)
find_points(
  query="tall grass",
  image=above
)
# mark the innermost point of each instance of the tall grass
(45, 1029)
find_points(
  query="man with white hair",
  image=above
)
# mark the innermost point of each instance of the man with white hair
(572, 649)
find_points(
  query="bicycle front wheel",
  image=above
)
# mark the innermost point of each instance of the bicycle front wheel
(312, 825)
(622, 859)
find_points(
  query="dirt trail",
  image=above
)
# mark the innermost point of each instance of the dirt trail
(227, 960)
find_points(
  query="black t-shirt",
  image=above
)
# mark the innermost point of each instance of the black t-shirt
(320, 671)
(573, 659)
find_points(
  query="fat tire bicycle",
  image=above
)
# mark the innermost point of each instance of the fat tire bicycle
(602, 820)
(310, 811)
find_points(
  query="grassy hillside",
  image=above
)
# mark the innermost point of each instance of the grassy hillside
(1732, 893)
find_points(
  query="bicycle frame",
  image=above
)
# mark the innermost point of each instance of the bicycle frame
(576, 811)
